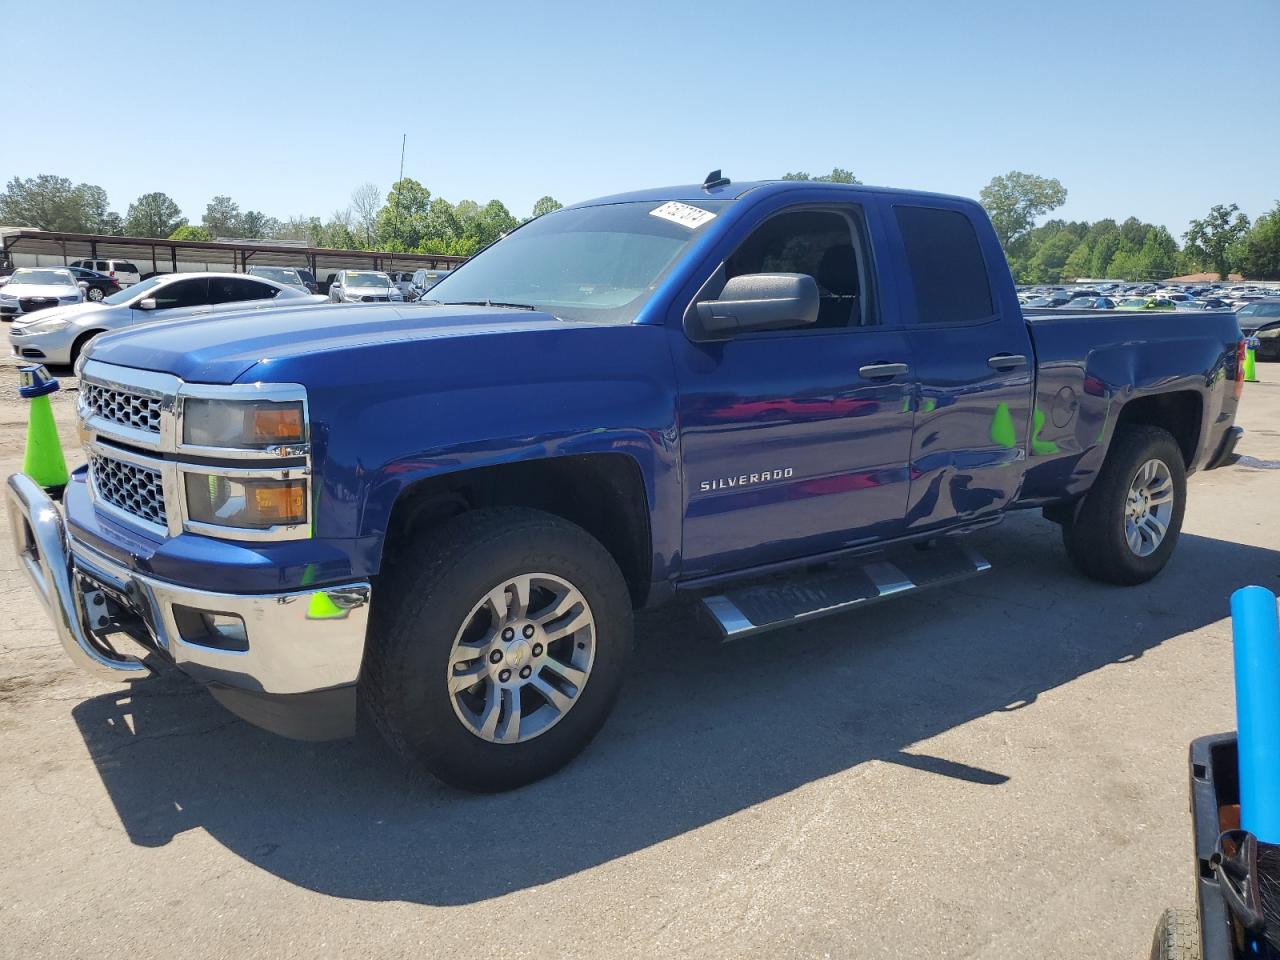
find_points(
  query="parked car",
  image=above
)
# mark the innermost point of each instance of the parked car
(1267, 337)
(286, 275)
(363, 286)
(404, 283)
(32, 289)
(60, 335)
(423, 280)
(95, 285)
(308, 279)
(121, 271)
(574, 430)
(1258, 314)
(1091, 303)
(1145, 303)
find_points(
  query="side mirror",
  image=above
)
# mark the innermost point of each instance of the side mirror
(147, 303)
(759, 301)
(83, 285)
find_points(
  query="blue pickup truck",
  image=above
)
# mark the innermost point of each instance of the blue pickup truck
(788, 397)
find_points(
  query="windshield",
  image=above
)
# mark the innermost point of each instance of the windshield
(57, 277)
(128, 293)
(362, 279)
(589, 263)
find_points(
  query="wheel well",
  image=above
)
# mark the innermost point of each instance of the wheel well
(602, 493)
(1179, 412)
(79, 342)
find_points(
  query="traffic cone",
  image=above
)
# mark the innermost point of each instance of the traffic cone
(42, 461)
(1250, 362)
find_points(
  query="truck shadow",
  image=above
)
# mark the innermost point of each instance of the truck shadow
(703, 731)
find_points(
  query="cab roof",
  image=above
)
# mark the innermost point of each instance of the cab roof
(735, 191)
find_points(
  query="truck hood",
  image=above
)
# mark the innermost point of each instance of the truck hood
(222, 347)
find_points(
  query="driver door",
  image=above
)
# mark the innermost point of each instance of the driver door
(796, 441)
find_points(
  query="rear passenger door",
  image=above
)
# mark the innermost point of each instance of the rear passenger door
(973, 363)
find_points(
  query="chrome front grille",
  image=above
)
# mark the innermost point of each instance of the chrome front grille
(120, 406)
(134, 489)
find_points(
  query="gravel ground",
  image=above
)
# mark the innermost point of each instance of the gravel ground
(994, 771)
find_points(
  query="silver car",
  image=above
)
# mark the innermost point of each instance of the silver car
(59, 334)
(37, 289)
(363, 286)
(286, 275)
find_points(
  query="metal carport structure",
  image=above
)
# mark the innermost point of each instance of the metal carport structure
(172, 256)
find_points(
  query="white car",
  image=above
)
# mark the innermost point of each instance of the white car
(121, 271)
(32, 289)
(58, 335)
(363, 286)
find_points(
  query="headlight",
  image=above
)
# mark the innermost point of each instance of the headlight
(248, 504)
(46, 326)
(243, 424)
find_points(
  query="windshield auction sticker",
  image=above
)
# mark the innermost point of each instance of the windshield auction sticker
(683, 214)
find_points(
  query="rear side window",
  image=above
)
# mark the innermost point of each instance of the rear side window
(126, 266)
(947, 269)
(237, 289)
(103, 266)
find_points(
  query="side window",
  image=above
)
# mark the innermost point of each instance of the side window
(260, 291)
(237, 289)
(126, 266)
(947, 270)
(183, 293)
(821, 243)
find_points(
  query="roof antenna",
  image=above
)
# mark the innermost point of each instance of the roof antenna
(714, 179)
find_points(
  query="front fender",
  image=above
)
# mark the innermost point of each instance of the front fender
(385, 417)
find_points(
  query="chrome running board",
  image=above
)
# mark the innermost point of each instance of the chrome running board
(784, 601)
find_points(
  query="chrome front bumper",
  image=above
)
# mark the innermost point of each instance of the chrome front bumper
(297, 642)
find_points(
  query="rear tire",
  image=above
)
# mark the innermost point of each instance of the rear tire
(1177, 936)
(1100, 537)
(95, 294)
(436, 600)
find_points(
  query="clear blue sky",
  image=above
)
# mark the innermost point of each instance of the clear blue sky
(1155, 109)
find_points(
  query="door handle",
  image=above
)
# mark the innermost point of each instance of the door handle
(882, 371)
(1006, 361)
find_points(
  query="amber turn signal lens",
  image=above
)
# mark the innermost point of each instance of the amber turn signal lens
(280, 504)
(278, 423)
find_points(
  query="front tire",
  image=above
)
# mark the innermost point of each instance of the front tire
(497, 647)
(1125, 529)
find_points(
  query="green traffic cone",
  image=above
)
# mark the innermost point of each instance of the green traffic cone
(1250, 366)
(42, 461)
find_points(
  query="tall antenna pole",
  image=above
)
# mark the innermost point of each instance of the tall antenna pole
(403, 139)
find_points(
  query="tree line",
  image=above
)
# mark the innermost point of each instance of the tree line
(1222, 241)
(408, 218)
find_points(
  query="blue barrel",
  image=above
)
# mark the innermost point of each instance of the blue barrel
(1255, 626)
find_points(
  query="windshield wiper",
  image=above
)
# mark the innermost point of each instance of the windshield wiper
(484, 303)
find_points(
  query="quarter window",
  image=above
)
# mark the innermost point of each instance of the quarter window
(947, 270)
